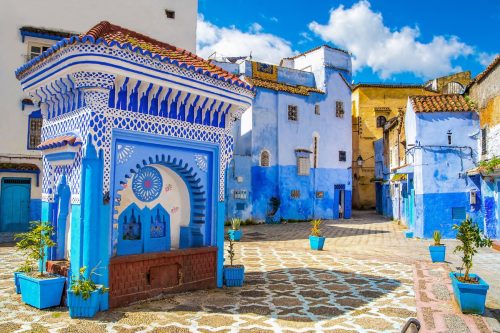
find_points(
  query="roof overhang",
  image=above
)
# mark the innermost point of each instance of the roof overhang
(69, 66)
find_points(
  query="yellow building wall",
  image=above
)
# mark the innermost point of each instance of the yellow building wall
(490, 115)
(367, 104)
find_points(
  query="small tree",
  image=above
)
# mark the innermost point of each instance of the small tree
(230, 251)
(315, 230)
(35, 241)
(469, 234)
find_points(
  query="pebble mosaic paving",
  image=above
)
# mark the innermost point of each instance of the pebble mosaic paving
(364, 281)
(284, 291)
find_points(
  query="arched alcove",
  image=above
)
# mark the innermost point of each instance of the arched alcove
(165, 183)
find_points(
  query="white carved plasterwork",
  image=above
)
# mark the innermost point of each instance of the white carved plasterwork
(99, 124)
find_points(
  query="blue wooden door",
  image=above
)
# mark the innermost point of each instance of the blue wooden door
(15, 204)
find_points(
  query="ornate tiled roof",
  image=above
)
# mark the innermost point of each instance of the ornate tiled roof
(114, 35)
(278, 86)
(442, 103)
(60, 141)
(488, 69)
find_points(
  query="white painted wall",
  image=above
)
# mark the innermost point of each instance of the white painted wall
(147, 17)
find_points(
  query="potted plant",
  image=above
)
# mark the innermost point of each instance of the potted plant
(235, 232)
(26, 267)
(233, 275)
(39, 289)
(84, 295)
(469, 289)
(315, 239)
(438, 250)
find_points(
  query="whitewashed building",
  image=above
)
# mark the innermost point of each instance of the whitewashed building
(27, 28)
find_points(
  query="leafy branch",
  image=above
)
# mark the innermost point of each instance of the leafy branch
(35, 241)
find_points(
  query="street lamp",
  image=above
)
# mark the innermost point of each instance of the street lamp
(360, 161)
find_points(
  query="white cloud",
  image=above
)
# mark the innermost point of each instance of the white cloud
(255, 28)
(229, 41)
(362, 32)
(486, 58)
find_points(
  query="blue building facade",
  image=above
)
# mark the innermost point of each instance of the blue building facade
(382, 181)
(136, 142)
(441, 133)
(293, 148)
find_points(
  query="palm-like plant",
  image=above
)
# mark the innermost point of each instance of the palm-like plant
(471, 238)
(235, 223)
(315, 230)
(437, 238)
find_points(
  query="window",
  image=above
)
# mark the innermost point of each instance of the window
(264, 158)
(484, 137)
(342, 156)
(458, 213)
(293, 113)
(316, 109)
(339, 109)
(34, 130)
(240, 194)
(320, 195)
(303, 166)
(315, 152)
(381, 120)
(35, 49)
(295, 194)
(240, 206)
(170, 14)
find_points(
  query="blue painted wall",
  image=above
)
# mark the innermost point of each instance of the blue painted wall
(439, 169)
(266, 127)
(490, 188)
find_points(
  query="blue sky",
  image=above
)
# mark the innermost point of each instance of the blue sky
(391, 40)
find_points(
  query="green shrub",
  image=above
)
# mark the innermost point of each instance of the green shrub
(84, 286)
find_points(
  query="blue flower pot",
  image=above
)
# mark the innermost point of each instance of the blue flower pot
(234, 235)
(83, 308)
(233, 276)
(16, 282)
(316, 242)
(409, 234)
(438, 253)
(470, 297)
(41, 293)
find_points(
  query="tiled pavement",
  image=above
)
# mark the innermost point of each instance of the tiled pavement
(362, 282)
